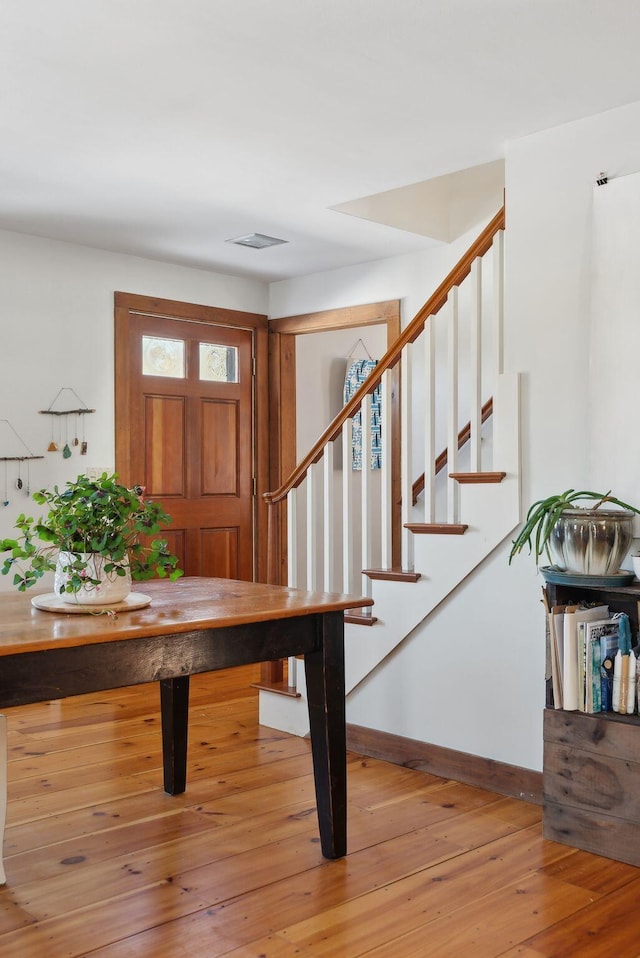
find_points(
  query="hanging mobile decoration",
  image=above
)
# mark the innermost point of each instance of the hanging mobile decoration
(79, 410)
(13, 435)
(27, 489)
(52, 447)
(66, 451)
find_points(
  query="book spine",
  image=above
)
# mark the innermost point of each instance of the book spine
(606, 685)
(594, 677)
(632, 679)
(624, 684)
(582, 668)
(617, 674)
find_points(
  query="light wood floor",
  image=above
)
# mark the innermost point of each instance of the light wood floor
(101, 862)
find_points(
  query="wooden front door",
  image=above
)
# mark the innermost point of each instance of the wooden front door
(185, 429)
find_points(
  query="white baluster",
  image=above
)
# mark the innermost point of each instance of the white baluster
(292, 569)
(328, 529)
(347, 508)
(452, 405)
(475, 359)
(386, 472)
(365, 487)
(292, 539)
(430, 421)
(498, 299)
(312, 539)
(406, 460)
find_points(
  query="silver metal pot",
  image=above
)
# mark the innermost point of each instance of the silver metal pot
(591, 541)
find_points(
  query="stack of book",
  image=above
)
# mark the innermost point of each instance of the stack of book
(591, 669)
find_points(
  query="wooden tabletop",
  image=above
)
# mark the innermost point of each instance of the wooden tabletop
(189, 604)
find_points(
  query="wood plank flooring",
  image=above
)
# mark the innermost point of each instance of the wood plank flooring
(101, 863)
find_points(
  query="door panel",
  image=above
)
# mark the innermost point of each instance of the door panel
(220, 443)
(191, 437)
(164, 433)
(219, 552)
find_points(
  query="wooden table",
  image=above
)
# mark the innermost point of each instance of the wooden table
(193, 625)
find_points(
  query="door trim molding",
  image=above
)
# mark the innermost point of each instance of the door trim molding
(282, 389)
(128, 303)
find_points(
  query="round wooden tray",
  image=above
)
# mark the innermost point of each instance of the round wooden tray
(55, 603)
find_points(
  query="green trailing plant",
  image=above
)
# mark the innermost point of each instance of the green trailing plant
(543, 515)
(91, 517)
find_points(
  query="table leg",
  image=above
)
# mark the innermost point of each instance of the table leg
(174, 705)
(326, 697)
(3, 791)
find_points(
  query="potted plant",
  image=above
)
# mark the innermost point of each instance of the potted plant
(584, 540)
(95, 537)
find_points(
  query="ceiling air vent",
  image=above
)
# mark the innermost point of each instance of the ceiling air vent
(257, 241)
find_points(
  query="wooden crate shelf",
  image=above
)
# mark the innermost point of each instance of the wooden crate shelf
(591, 798)
(591, 766)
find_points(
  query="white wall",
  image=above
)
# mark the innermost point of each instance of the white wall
(319, 388)
(411, 277)
(56, 304)
(615, 339)
(472, 677)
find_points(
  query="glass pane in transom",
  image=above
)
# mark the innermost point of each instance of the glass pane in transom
(218, 364)
(162, 357)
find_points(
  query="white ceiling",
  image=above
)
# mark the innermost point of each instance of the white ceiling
(164, 128)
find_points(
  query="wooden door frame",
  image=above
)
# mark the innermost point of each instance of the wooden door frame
(282, 392)
(126, 303)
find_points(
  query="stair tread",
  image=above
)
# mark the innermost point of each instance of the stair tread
(437, 528)
(355, 618)
(279, 688)
(477, 477)
(392, 575)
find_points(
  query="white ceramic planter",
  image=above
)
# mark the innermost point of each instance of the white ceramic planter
(112, 588)
(591, 541)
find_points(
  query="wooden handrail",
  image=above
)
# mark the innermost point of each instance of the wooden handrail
(481, 245)
(463, 437)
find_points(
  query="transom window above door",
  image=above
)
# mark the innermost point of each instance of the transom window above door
(218, 363)
(167, 357)
(163, 357)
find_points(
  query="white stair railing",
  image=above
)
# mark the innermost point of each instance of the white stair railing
(339, 520)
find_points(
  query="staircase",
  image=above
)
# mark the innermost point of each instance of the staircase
(406, 542)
